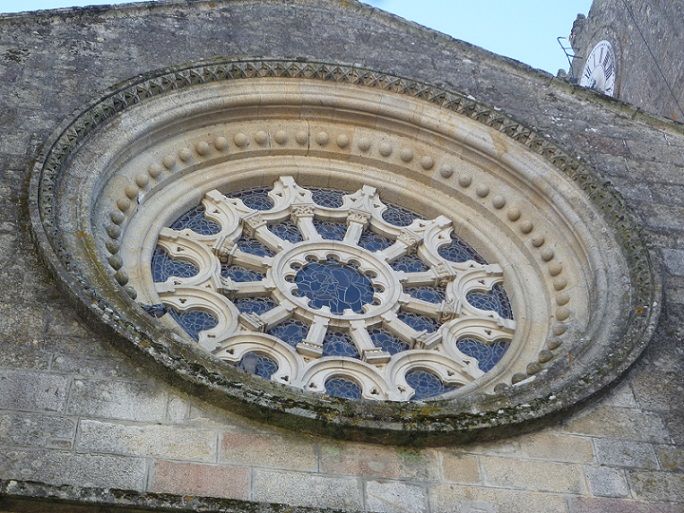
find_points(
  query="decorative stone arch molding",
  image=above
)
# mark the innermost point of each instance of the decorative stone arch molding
(583, 291)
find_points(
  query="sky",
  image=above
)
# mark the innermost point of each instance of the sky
(525, 30)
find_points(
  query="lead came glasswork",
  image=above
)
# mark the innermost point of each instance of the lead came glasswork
(495, 299)
(239, 273)
(195, 220)
(193, 321)
(286, 230)
(426, 384)
(337, 284)
(337, 343)
(290, 331)
(330, 230)
(386, 341)
(487, 355)
(163, 266)
(459, 251)
(258, 364)
(329, 198)
(409, 264)
(342, 388)
(256, 198)
(374, 242)
(399, 216)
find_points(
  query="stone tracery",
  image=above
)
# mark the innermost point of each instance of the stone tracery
(333, 292)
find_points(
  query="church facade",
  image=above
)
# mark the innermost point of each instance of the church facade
(309, 256)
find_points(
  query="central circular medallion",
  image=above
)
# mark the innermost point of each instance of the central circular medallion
(338, 286)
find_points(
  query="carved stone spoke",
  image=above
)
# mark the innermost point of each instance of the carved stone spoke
(400, 329)
(312, 345)
(418, 306)
(367, 349)
(237, 289)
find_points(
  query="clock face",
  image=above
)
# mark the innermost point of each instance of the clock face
(599, 69)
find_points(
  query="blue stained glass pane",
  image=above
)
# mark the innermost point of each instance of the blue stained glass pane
(193, 321)
(259, 364)
(163, 266)
(330, 230)
(253, 247)
(286, 230)
(418, 322)
(373, 242)
(342, 388)
(195, 220)
(399, 216)
(459, 251)
(256, 198)
(239, 273)
(495, 299)
(387, 341)
(430, 294)
(409, 264)
(426, 384)
(255, 305)
(290, 331)
(330, 198)
(338, 343)
(333, 284)
(487, 355)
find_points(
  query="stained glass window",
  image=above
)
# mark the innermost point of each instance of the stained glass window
(329, 198)
(426, 384)
(163, 266)
(290, 331)
(193, 321)
(495, 299)
(259, 364)
(330, 230)
(335, 285)
(338, 343)
(459, 251)
(487, 355)
(387, 341)
(195, 220)
(256, 198)
(418, 322)
(342, 388)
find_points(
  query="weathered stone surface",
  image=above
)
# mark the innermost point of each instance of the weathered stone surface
(146, 440)
(302, 489)
(594, 505)
(58, 467)
(117, 400)
(627, 423)
(272, 451)
(378, 461)
(671, 457)
(607, 482)
(460, 468)
(452, 498)
(395, 497)
(33, 391)
(656, 486)
(31, 430)
(204, 480)
(625, 453)
(550, 446)
(532, 475)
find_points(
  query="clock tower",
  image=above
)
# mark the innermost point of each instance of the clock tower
(631, 50)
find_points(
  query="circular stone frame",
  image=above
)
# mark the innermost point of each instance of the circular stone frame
(78, 239)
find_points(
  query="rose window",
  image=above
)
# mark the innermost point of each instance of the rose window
(332, 291)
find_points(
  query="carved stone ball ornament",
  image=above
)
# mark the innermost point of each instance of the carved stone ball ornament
(343, 251)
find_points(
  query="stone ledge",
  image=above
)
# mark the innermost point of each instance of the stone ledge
(33, 497)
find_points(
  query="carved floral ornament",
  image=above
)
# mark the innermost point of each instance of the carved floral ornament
(279, 240)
